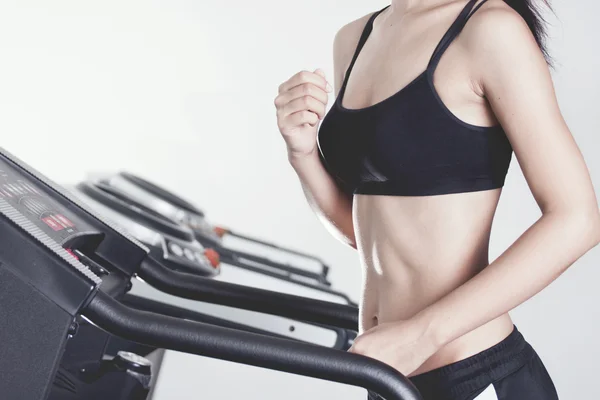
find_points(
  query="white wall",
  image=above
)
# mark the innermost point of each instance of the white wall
(181, 92)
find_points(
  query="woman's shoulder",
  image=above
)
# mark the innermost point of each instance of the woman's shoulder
(496, 20)
(348, 35)
(497, 31)
(345, 42)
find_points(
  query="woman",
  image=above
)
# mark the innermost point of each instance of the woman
(408, 166)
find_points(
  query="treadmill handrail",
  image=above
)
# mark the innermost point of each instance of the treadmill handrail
(249, 348)
(248, 298)
(144, 304)
(157, 307)
(289, 268)
(324, 266)
(275, 264)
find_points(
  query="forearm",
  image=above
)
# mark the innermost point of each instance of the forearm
(330, 204)
(537, 258)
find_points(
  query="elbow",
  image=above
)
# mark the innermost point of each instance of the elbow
(595, 217)
(586, 225)
(348, 240)
(592, 226)
(582, 223)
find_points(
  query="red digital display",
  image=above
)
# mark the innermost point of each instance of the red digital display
(64, 220)
(52, 223)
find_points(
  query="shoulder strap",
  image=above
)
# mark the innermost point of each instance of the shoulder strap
(453, 32)
(363, 39)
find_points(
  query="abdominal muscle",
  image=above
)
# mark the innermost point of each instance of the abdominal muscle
(415, 250)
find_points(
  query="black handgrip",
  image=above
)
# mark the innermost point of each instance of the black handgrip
(157, 307)
(248, 298)
(249, 348)
(344, 337)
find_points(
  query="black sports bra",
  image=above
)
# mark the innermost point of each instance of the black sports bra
(410, 144)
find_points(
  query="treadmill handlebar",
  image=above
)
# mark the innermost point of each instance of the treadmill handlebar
(248, 298)
(324, 268)
(249, 348)
(288, 268)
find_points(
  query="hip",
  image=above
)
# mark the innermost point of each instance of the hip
(508, 370)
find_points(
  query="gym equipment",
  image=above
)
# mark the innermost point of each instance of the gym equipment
(177, 248)
(172, 206)
(174, 245)
(130, 207)
(61, 263)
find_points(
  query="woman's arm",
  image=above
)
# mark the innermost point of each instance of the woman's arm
(332, 206)
(327, 200)
(515, 79)
(300, 106)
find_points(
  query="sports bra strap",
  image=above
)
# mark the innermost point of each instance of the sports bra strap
(441, 47)
(361, 42)
(453, 32)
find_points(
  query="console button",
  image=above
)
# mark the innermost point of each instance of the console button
(176, 249)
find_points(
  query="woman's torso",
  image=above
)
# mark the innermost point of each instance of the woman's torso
(415, 249)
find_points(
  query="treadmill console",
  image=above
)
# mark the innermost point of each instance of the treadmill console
(67, 229)
(55, 257)
(167, 240)
(33, 203)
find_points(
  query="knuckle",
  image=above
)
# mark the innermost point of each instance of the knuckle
(282, 128)
(304, 75)
(359, 348)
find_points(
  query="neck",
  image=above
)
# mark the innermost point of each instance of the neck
(405, 5)
(409, 6)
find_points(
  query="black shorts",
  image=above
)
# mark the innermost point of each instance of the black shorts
(509, 370)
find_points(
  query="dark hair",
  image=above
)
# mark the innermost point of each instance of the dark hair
(531, 13)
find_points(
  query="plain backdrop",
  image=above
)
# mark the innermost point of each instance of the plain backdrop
(181, 92)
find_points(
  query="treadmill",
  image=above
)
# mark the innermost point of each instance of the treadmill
(63, 266)
(161, 235)
(234, 247)
(176, 247)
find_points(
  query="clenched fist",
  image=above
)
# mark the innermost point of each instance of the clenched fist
(301, 104)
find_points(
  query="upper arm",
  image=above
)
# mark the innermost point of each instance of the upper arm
(516, 80)
(344, 46)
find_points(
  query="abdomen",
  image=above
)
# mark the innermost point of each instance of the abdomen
(414, 250)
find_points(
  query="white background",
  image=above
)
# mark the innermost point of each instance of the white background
(181, 92)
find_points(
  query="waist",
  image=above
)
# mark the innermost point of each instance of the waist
(401, 279)
(414, 250)
(396, 290)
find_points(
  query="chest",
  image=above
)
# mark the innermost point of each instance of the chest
(393, 59)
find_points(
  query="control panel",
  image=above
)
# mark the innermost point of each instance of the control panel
(33, 203)
(188, 254)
